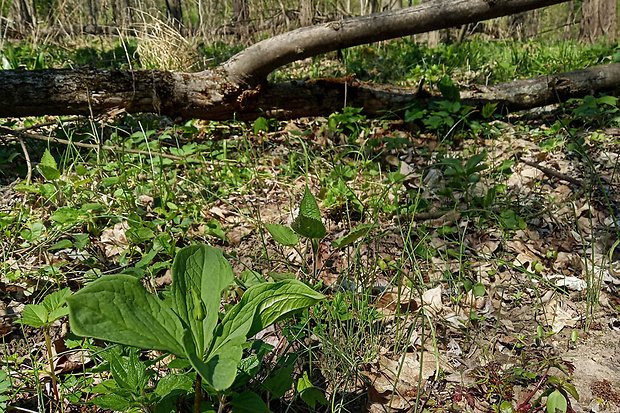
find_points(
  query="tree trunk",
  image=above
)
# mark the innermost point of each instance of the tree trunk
(208, 95)
(92, 13)
(238, 87)
(598, 18)
(306, 12)
(175, 14)
(241, 19)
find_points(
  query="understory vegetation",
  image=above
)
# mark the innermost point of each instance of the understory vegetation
(452, 259)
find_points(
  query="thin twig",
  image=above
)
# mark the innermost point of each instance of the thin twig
(22, 134)
(27, 156)
(555, 174)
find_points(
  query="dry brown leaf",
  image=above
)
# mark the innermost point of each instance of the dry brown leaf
(558, 317)
(114, 239)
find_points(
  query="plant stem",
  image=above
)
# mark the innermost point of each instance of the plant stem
(220, 408)
(50, 357)
(198, 393)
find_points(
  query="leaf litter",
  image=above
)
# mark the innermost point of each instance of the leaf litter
(436, 332)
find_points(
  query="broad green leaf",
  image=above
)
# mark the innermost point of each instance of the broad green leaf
(34, 315)
(556, 403)
(308, 222)
(308, 206)
(506, 407)
(309, 227)
(510, 220)
(173, 383)
(261, 124)
(279, 276)
(117, 308)
(309, 393)
(280, 382)
(129, 372)
(570, 388)
(205, 270)
(4, 383)
(112, 402)
(139, 235)
(479, 290)
(354, 235)
(220, 370)
(214, 228)
(448, 89)
(56, 299)
(282, 234)
(263, 305)
(62, 244)
(609, 100)
(48, 167)
(250, 278)
(65, 215)
(248, 402)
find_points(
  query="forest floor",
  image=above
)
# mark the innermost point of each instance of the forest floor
(468, 264)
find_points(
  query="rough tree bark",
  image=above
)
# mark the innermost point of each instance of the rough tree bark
(238, 87)
(598, 18)
(175, 14)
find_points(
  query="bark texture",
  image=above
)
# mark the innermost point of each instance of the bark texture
(209, 95)
(598, 18)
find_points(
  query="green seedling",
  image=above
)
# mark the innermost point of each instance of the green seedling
(308, 224)
(117, 308)
(348, 122)
(442, 116)
(601, 110)
(52, 308)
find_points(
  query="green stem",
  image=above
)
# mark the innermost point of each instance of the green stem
(50, 357)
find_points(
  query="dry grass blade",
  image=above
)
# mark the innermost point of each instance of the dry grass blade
(161, 46)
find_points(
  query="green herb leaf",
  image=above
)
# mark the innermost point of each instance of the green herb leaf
(205, 270)
(65, 215)
(308, 223)
(282, 234)
(34, 315)
(263, 305)
(248, 402)
(117, 308)
(556, 402)
(112, 402)
(48, 167)
(354, 235)
(309, 393)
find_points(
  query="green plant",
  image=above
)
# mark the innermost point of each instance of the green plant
(602, 110)
(187, 323)
(308, 224)
(129, 387)
(52, 308)
(349, 122)
(442, 116)
(5, 385)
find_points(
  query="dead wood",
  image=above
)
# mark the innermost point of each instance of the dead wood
(237, 88)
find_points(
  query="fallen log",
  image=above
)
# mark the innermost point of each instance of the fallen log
(238, 87)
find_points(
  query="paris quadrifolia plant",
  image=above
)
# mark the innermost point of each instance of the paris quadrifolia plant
(187, 322)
